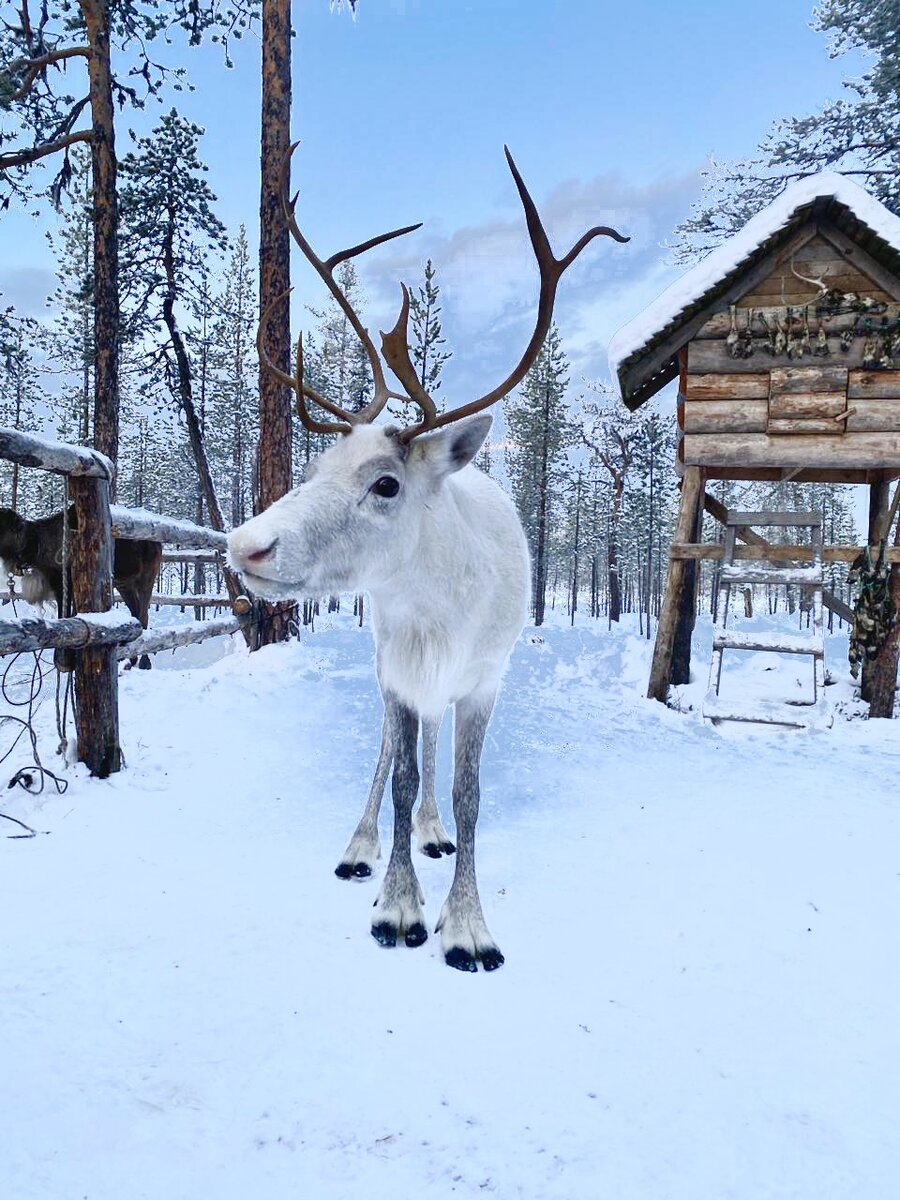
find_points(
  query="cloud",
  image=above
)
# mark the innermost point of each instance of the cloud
(489, 281)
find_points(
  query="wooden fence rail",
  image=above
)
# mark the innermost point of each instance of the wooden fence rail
(99, 636)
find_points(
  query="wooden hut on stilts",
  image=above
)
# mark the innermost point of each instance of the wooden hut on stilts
(785, 342)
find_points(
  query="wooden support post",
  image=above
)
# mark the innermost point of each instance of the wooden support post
(96, 673)
(680, 669)
(882, 673)
(691, 497)
(879, 500)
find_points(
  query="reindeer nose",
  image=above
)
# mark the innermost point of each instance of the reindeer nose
(259, 556)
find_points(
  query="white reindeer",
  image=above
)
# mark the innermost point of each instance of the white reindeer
(401, 514)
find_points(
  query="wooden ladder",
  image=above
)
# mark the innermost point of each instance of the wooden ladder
(793, 714)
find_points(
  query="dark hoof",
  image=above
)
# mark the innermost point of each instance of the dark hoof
(461, 959)
(144, 664)
(385, 934)
(416, 934)
(492, 959)
(360, 870)
(436, 849)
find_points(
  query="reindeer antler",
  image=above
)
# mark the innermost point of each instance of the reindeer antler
(395, 344)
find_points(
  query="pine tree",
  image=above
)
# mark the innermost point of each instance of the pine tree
(69, 341)
(169, 229)
(20, 396)
(233, 410)
(858, 135)
(609, 432)
(334, 355)
(540, 431)
(34, 91)
(425, 325)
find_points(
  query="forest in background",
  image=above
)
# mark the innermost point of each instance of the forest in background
(594, 485)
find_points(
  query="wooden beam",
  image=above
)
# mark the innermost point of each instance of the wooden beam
(29, 450)
(33, 633)
(740, 451)
(135, 524)
(155, 640)
(756, 553)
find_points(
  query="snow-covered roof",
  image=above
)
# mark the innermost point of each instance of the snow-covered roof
(701, 285)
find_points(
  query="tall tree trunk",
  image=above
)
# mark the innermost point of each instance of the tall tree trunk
(106, 224)
(274, 458)
(612, 549)
(540, 558)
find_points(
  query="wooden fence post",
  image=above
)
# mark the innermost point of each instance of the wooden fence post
(96, 669)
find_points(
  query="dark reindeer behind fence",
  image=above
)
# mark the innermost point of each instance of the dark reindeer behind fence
(98, 637)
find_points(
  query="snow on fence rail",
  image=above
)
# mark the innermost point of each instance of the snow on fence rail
(100, 636)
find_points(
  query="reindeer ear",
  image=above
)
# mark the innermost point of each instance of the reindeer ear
(453, 448)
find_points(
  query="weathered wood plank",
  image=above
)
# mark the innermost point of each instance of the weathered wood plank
(31, 450)
(863, 261)
(787, 380)
(213, 557)
(33, 633)
(807, 405)
(873, 385)
(874, 416)
(773, 520)
(192, 601)
(863, 451)
(714, 551)
(719, 386)
(719, 324)
(711, 356)
(725, 416)
(846, 279)
(792, 426)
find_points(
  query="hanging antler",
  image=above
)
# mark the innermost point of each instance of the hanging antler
(395, 344)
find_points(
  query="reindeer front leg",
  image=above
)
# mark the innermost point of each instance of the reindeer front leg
(358, 860)
(465, 937)
(398, 909)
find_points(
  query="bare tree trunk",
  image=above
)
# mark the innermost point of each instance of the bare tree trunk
(274, 456)
(879, 499)
(106, 243)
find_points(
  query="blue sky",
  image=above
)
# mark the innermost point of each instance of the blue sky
(610, 109)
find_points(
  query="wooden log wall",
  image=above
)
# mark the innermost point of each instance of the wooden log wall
(811, 413)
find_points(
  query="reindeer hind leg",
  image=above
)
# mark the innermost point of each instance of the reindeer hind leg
(431, 837)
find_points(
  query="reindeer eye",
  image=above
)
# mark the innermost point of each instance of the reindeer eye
(387, 486)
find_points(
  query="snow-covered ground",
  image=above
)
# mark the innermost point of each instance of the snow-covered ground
(700, 994)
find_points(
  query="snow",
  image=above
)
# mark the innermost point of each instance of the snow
(725, 258)
(119, 512)
(699, 996)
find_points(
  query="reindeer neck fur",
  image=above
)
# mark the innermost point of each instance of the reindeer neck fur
(446, 620)
(444, 559)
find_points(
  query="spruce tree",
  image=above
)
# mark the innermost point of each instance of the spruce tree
(425, 327)
(169, 230)
(857, 135)
(540, 430)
